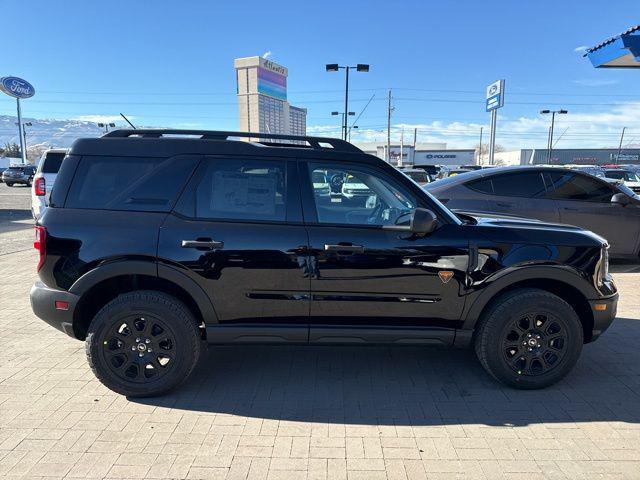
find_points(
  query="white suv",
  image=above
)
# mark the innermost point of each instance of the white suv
(44, 179)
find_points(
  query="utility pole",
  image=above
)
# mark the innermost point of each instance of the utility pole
(389, 109)
(415, 141)
(480, 149)
(620, 146)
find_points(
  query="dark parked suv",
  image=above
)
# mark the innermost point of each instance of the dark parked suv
(19, 175)
(156, 240)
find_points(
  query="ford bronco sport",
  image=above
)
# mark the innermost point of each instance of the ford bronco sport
(156, 240)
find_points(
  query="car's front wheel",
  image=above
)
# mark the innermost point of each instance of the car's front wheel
(9, 184)
(529, 338)
(143, 343)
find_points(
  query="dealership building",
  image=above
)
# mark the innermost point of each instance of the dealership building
(262, 98)
(422, 154)
(566, 156)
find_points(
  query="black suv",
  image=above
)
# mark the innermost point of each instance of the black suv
(158, 239)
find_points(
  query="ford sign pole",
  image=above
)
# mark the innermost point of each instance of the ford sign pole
(495, 100)
(18, 88)
(21, 133)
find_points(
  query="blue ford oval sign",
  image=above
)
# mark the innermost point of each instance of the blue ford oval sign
(16, 87)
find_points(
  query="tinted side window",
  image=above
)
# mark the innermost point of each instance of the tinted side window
(524, 184)
(129, 183)
(360, 196)
(483, 185)
(571, 186)
(244, 189)
(52, 162)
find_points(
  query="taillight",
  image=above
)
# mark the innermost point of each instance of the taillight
(40, 244)
(39, 187)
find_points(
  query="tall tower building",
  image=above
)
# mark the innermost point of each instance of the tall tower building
(262, 98)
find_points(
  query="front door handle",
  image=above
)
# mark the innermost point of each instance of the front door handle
(208, 244)
(344, 248)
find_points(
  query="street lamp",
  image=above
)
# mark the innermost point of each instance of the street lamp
(553, 120)
(106, 126)
(334, 67)
(342, 122)
(24, 135)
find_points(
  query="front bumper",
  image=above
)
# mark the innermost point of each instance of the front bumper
(604, 311)
(43, 301)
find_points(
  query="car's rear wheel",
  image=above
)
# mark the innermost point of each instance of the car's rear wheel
(143, 343)
(529, 339)
(9, 184)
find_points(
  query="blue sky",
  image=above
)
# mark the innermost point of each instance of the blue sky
(170, 63)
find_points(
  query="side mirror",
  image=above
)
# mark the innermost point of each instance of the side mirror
(423, 221)
(621, 199)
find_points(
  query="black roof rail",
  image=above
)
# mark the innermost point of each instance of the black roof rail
(316, 143)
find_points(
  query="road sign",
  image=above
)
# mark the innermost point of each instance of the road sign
(17, 87)
(495, 95)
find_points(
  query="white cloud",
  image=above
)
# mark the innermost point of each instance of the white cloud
(100, 118)
(581, 49)
(595, 129)
(266, 54)
(596, 82)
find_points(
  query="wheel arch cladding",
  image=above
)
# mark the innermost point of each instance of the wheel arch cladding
(105, 290)
(562, 289)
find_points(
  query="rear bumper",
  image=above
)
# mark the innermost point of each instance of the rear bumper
(602, 319)
(43, 301)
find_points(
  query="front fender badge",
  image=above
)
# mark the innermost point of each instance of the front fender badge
(445, 275)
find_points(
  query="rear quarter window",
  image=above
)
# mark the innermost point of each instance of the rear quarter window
(483, 185)
(52, 161)
(129, 183)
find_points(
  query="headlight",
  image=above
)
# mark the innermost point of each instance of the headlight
(602, 269)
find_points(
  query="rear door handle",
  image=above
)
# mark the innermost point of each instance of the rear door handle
(208, 244)
(344, 248)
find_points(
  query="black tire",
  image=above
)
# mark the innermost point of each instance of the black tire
(121, 336)
(9, 184)
(529, 339)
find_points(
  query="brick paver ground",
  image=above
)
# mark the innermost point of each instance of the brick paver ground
(314, 412)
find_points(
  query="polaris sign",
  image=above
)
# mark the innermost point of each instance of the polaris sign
(495, 95)
(16, 87)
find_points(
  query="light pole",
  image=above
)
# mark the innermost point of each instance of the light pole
(553, 120)
(106, 126)
(334, 67)
(24, 135)
(342, 122)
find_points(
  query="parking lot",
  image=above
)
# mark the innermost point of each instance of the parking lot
(308, 412)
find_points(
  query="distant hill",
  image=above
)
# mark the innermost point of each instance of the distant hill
(48, 133)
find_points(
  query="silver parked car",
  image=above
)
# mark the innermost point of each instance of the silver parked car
(559, 195)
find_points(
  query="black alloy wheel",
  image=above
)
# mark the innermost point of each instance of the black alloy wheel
(138, 348)
(534, 344)
(528, 338)
(143, 343)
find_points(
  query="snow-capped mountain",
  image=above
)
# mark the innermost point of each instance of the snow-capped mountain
(50, 133)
